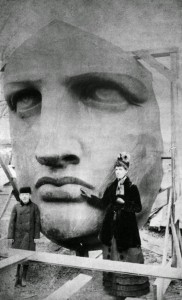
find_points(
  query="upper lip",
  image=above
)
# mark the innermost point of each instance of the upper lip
(62, 181)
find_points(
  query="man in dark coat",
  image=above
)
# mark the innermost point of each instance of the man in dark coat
(24, 228)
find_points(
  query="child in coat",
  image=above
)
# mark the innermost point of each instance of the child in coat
(24, 229)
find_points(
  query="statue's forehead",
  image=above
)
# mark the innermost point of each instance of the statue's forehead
(60, 46)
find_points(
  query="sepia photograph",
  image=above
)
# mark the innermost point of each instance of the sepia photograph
(90, 149)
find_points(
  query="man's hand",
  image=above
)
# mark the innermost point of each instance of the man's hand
(36, 241)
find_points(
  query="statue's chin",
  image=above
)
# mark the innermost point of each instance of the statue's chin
(71, 225)
(87, 242)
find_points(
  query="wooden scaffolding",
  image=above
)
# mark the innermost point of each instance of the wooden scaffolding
(172, 75)
(169, 270)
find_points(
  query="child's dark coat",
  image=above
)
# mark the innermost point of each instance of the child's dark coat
(24, 226)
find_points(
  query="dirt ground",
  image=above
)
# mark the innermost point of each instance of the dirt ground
(43, 279)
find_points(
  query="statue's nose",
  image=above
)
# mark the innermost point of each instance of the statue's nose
(58, 151)
(60, 143)
(58, 160)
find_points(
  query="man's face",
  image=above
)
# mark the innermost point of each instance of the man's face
(25, 197)
(75, 103)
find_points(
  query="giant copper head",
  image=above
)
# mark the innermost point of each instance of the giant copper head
(76, 101)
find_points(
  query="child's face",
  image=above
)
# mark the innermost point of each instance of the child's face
(25, 197)
(120, 172)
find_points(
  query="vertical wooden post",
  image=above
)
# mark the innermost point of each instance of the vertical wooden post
(174, 154)
(154, 292)
(174, 167)
(160, 288)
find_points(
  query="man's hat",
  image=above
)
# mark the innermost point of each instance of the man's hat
(123, 159)
(26, 189)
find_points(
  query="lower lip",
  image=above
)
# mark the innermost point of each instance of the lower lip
(68, 192)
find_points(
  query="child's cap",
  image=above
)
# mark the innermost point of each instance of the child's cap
(26, 190)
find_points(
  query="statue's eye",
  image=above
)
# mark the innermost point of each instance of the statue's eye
(104, 95)
(107, 96)
(100, 93)
(25, 101)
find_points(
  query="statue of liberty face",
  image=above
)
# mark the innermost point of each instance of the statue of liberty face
(76, 101)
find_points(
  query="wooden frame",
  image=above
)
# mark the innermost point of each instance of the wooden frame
(17, 256)
(172, 74)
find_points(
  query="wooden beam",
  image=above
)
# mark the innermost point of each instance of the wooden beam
(165, 249)
(160, 285)
(174, 154)
(178, 232)
(10, 177)
(6, 205)
(102, 265)
(131, 298)
(154, 292)
(17, 258)
(70, 288)
(161, 52)
(108, 266)
(149, 59)
(176, 244)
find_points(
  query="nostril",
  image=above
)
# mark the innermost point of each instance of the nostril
(48, 160)
(70, 159)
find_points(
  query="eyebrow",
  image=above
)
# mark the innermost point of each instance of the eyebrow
(24, 83)
(112, 80)
(16, 86)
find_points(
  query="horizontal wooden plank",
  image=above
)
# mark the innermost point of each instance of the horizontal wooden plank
(131, 298)
(70, 288)
(107, 265)
(17, 258)
(161, 52)
(103, 265)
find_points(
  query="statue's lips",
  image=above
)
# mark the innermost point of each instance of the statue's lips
(53, 190)
(62, 181)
